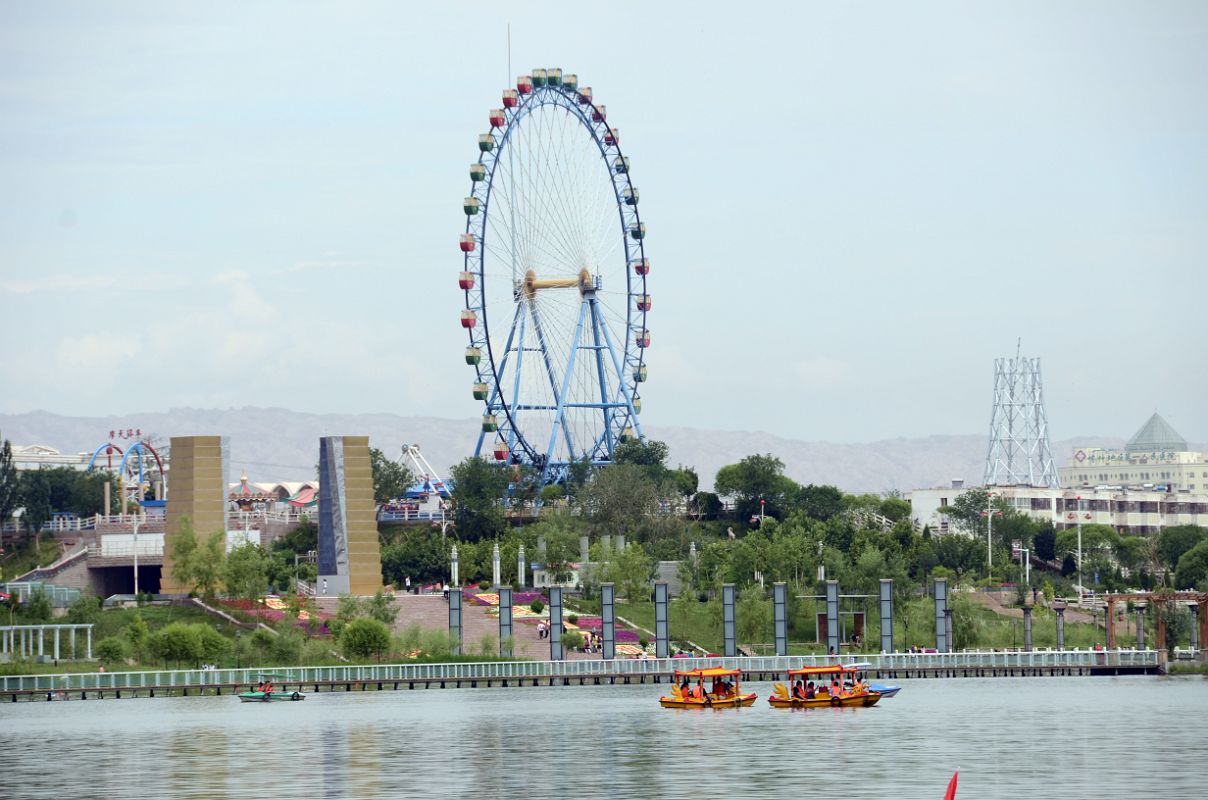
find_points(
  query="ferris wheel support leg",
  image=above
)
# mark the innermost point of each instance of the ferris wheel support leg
(516, 379)
(606, 411)
(570, 369)
(616, 363)
(553, 382)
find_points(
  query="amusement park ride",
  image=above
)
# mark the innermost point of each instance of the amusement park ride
(136, 478)
(554, 278)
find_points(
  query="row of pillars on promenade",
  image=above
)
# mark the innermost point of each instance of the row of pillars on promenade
(617, 541)
(23, 640)
(662, 639)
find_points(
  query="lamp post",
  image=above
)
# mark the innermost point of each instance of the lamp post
(989, 532)
(1079, 499)
(136, 524)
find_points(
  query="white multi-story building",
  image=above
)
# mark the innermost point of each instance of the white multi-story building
(36, 456)
(1142, 512)
(1155, 458)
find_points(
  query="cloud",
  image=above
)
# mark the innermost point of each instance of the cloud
(822, 371)
(58, 283)
(325, 264)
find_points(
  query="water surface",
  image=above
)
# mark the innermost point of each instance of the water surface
(1100, 738)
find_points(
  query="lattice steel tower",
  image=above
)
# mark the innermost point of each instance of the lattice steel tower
(1019, 431)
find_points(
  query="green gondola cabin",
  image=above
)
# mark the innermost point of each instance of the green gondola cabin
(486, 142)
(639, 374)
(638, 231)
(570, 81)
(473, 356)
(470, 206)
(480, 391)
(489, 425)
(478, 172)
(553, 76)
(538, 77)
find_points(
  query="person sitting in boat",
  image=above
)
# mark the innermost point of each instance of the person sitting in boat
(798, 691)
(698, 691)
(836, 688)
(727, 688)
(686, 686)
(268, 688)
(809, 691)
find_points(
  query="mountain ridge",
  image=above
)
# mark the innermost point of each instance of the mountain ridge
(277, 444)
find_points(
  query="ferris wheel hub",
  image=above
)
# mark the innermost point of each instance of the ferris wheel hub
(583, 282)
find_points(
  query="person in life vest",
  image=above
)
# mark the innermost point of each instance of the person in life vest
(798, 691)
(809, 691)
(698, 691)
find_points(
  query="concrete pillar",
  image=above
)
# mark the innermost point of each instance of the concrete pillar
(496, 577)
(886, 615)
(520, 568)
(453, 577)
(662, 636)
(608, 619)
(505, 621)
(941, 605)
(606, 547)
(832, 617)
(1027, 629)
(780, 610)
(584, 549)
(541, 549)
(455, 619)
(1140, 628)
(1060, 628)
(41, 640)
(89, 629)
(948, 629)
(555, 623)
(728, 621)
(57, 631)
(1195, 627)
(618, 542)
(692, 552)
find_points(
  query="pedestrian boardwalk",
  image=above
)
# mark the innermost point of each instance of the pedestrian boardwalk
(578, 672)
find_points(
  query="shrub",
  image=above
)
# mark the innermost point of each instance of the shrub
(365, 637)
(111, 649)
(537, 606)
(573, 619)
(484, 585)
(572, 640)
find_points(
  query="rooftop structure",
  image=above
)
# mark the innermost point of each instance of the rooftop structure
(1156, 457)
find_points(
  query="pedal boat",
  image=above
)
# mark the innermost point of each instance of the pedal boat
(859, 695)
(734, 698)
(264, 697)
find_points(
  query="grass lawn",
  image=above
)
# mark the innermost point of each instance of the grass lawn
(21, 558)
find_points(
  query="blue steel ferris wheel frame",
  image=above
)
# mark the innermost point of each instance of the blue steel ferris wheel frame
(623, 360)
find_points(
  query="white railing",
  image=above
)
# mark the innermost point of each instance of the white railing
(519, 670)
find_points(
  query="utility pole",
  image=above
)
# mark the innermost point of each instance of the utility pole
(136, 524)
(989, 533)
(1079, 498)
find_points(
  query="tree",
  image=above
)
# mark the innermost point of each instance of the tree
(86, 609)
(390, 478)
(755, 478)
(621, 498)
(182, 552)
(895, 508)
(753, 614)
(365, 637)
(633, 572)
(138, 635)
(10, 486)
(958, 553)
(1045, 541)
(245, 572)
(1176, 540)
(705, 505)
(381, 608)
(415, 553)
(212, 646)
(208, 564)
(642, 452)
(819, 502)
(35, 497)
(177, 642)
(478, 493)
(1192, 571)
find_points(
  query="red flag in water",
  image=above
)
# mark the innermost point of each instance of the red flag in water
(951, 793)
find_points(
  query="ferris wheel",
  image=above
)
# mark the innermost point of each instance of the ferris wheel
(554, 279)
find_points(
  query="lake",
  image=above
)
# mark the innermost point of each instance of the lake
(1084, 737)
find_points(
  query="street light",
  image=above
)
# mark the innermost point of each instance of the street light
(1079, 499)
(136, 522)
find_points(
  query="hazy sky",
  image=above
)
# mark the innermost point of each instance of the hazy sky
(853, 208)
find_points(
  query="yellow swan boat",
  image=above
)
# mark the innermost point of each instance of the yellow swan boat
(690, 691)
